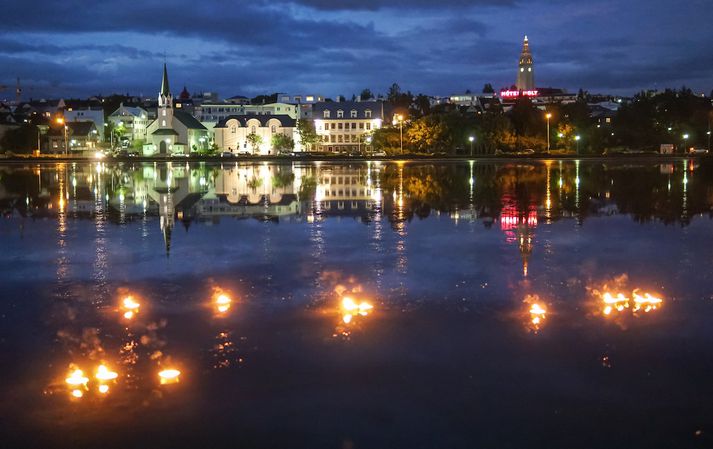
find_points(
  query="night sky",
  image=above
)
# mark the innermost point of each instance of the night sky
(78, 48)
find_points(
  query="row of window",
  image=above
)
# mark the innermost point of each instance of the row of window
(345, 193)
(341, 125)
(253, 129)
(352, 114)
(340, 180)
(342, 138)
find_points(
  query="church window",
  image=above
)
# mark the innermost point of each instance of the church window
(233, 130)
(253, 129)
(274, 129)
(163, 113)
(163, 122)
(529, 69)
(522, 69)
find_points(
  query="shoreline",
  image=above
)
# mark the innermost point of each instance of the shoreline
(345, 159)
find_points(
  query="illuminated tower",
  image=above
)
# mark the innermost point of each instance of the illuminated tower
(165, 103)
(526, 69)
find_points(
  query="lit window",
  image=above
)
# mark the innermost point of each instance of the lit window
(233, 129)
(163, 122)
(522, 69)
(367, 113)
(529, 69)
(163, 113)
(254, 129)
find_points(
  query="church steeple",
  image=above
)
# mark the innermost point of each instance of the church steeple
(165, 89)
(165, 103)
(526, 68)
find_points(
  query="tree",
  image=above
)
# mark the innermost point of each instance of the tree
(366, 95)
(488, 89)
(394, 93)
(308, 135)
(282, 142)
(255, 141)
(21, 139)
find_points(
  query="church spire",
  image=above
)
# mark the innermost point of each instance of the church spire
(165, 89)
(526, 68)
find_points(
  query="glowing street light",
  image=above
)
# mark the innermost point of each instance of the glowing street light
(400, 119)
(548, 116)
(685, 140)
(577, 138)
(471, 139)
(60, 121)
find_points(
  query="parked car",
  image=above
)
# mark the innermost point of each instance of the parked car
(379, 153)
(244, 153)
(698, 151)
(226, 154)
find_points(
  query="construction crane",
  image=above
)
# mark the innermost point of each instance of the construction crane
(18, 90)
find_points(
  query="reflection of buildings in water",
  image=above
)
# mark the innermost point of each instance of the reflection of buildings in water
(345, 191)
(519, 227)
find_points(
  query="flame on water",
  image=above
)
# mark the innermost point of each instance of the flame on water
(103, 389)
(646, 302)
(103, 374)
(130, 307)
(77, 393)
(222, 303)
(537, 314)
(619, 302)
(169, 376)
(350, 308)
(77, 377)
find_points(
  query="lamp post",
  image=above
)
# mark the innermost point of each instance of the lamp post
(576, 139)
(400, 119)
(60, 120)
(548, 116)
(471, 139)
(685, 139)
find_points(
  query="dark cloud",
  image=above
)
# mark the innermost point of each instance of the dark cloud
(329, 47)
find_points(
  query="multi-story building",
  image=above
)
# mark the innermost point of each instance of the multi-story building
(212, 113)
(345, 126)
(234, 133)
(87, 114)
(130, 122)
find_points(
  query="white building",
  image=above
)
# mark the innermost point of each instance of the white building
(345, 126)
(132, 122)
(174, 132)
(233, 133)
(211, 113)
(88, 114)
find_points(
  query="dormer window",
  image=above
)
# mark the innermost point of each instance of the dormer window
(367, 113)
(353, 113)
(326, 114)
(340, 114)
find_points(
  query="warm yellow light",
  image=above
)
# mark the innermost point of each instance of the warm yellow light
(77, 377)
(223, 302)
(537, 313)
(352, 308)
(128, 315)
(104, 373)
(60, 120)
(103, 389)
(549, 116)
(130, 303)
(647, 302)
(77, 393)
(169, 376)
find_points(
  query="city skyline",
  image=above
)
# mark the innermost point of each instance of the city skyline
(66, 50)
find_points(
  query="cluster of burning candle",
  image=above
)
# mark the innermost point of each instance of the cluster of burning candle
(78, 382)
(352, 308)
(619, 302)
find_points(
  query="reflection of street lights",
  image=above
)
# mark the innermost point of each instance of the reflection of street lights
(576, 139)
(60, 120)
(400, 118)
(548, 116)
(471, 139)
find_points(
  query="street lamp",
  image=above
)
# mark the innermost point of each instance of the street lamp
(576, 139)
(685, 139)
(400, 118)
(548, 116)
(60, 121)
(471, 139)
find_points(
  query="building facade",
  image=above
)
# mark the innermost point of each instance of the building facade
(346, 126)
(210, 113)
(129, 122)
(235, 133)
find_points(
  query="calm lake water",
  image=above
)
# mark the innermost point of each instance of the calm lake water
(365, 305)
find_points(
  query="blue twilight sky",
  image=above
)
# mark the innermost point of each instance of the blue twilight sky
(78, 48)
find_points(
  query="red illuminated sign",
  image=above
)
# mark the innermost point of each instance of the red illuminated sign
(517, 93)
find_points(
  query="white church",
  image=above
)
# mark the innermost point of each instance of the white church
(174, 132)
